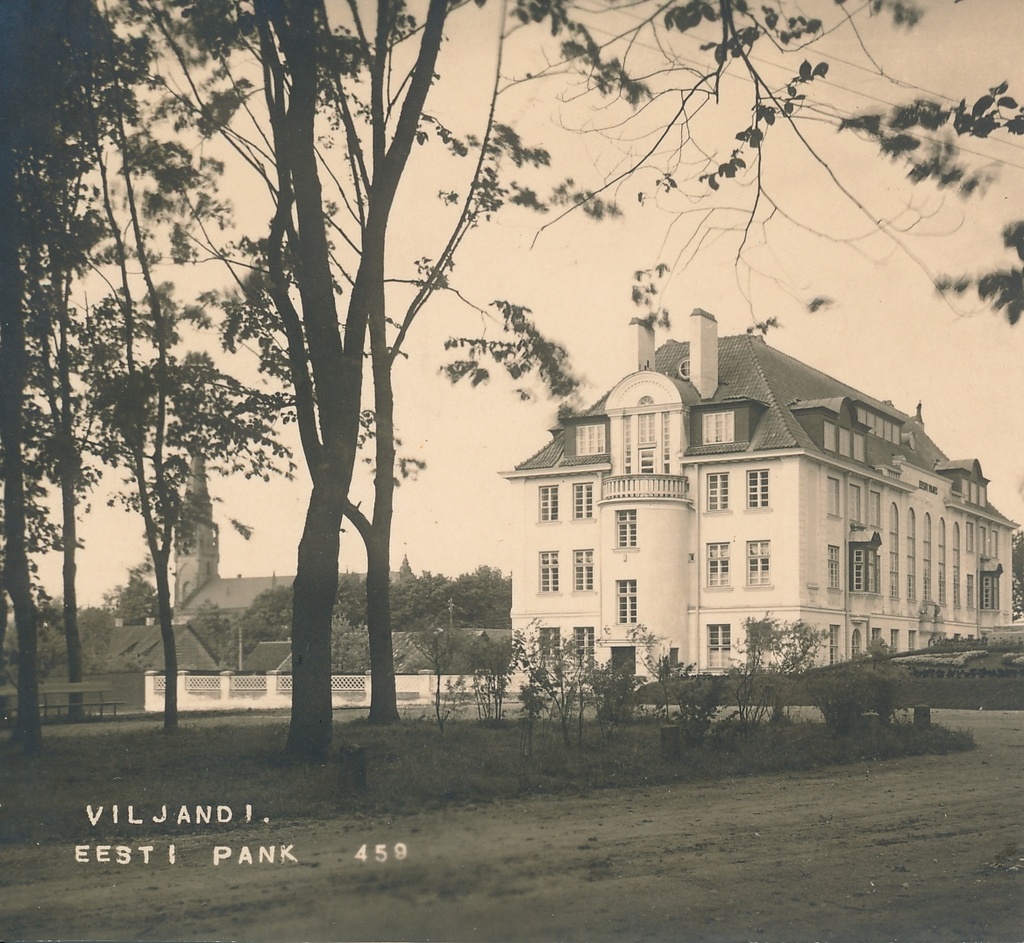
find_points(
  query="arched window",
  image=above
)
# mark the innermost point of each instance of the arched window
(942, 561)
(926, 579)
(956, 564)
(911, 556)
(894, 552)
(855, 642)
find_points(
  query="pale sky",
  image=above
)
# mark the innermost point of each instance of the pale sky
(887, 333)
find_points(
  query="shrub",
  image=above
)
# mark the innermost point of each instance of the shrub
(613, 691)
(845, 692)
(698, 700)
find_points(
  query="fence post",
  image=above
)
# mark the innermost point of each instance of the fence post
(225, 685)
(149, 695)
(182, 686)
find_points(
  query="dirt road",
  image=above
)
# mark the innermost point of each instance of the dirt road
(919, 849)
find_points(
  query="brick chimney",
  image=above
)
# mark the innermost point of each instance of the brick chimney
(704, 352)
(644, 343)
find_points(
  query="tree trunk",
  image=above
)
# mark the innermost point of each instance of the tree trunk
(15, 18)
(383, 698)
(72, 638)
(315, 590)
(163, 603)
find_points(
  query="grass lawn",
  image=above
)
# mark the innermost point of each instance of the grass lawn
(409, 767)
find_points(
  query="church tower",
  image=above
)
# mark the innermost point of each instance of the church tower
(197, 550)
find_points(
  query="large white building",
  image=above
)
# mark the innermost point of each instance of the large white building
(724, 480)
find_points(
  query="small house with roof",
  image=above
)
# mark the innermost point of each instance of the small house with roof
(724, 479)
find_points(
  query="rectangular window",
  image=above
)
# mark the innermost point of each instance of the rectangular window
(718, 565)
(863, 570)
(982, 541)
(590, 439)
(627, 445)
(759, 562)
(718, 427)
(549, 571)
(583, 570)
(894, 639)
(845, 442)
(625, 529)
(854, 509)
(989, 598)
(645, 429)
(875, 509)
(833, 497)
(894, 552)
(833, 566)
(583, 636)
(970, 590)
(549, 502)
(646, 461)
(858, 446)
(549, 643)
(757, 489)
(582, 501)
(719, 645)
(829, 438)
(970, 537)
(833, 644)
(666, 444)
(956, 565)
(625, 592)
(911, 639)
(718, 492)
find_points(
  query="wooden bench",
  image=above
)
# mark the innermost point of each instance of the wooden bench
(56, 697)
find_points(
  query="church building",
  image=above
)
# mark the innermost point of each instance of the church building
(197, 580)
(723, 480)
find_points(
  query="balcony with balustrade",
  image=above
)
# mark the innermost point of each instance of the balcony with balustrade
(645, 488)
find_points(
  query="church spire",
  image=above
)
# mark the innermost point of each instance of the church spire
(197, 550)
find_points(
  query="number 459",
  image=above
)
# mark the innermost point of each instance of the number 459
(380, 853)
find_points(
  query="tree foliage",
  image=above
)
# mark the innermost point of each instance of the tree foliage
(1017, 576)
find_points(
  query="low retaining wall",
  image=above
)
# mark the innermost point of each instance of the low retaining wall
(230, 691)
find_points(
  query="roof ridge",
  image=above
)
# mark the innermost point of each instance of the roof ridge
(828, 376)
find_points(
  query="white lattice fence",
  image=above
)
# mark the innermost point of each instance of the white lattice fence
(203, 685)
(248, 685)
(349, 687)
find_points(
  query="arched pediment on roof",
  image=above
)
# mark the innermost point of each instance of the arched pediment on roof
(969, 467)
(644, 390)
(840, 408)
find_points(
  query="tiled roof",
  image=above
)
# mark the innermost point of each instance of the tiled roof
(236, 594)
(142, 647)
(749, 369)
(270, 656)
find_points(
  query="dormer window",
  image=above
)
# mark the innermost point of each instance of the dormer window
(829, 436)
(590, 439)
(719, 427)
(684, 370)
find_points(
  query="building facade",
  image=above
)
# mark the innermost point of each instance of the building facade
(724, 480)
